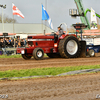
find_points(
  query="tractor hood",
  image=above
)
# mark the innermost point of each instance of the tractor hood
(41, 37)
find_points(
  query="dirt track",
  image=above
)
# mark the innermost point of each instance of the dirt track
(20, 63)
(81, 87)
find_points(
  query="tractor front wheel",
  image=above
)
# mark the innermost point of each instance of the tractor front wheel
(38, 53)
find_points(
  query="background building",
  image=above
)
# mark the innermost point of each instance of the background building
(23, 30)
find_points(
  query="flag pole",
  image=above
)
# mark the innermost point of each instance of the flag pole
(45, 20)
(13, 33)
(13, 23)
(13, 18)
(42, 23)
(42, 26)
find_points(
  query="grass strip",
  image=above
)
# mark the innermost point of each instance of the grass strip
(11, 56)
(15, 56)
(43, 71)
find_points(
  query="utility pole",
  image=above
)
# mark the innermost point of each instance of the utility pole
(2, 7)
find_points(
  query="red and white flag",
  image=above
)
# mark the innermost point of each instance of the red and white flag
(16, 11)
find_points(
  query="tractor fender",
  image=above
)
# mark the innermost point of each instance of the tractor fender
(65, 35)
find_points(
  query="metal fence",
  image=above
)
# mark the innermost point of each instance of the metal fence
(7, 51)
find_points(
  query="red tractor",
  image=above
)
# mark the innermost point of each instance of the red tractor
(67, 46)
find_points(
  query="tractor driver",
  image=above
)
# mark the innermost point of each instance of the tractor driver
(60, 32)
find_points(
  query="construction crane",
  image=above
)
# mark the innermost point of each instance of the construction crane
(88, 10)
(81, 13)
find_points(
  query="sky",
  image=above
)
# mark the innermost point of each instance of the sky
(58, 10)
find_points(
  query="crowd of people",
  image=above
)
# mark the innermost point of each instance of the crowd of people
(10, 42)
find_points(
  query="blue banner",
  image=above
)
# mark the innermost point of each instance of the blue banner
(45, 15)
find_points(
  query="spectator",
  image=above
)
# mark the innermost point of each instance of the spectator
(5, 42)
(22, 43)
(16, 43)
(1, 44)
(19, 45)
(12, 43)
(10, 39)
(25, 42)
(8, 43)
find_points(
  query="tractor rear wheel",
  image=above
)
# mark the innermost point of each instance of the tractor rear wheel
(26, 56)
(38, 53)
(53, 55)
(69, 47)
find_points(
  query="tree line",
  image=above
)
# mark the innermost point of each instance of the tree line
(7, 19)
